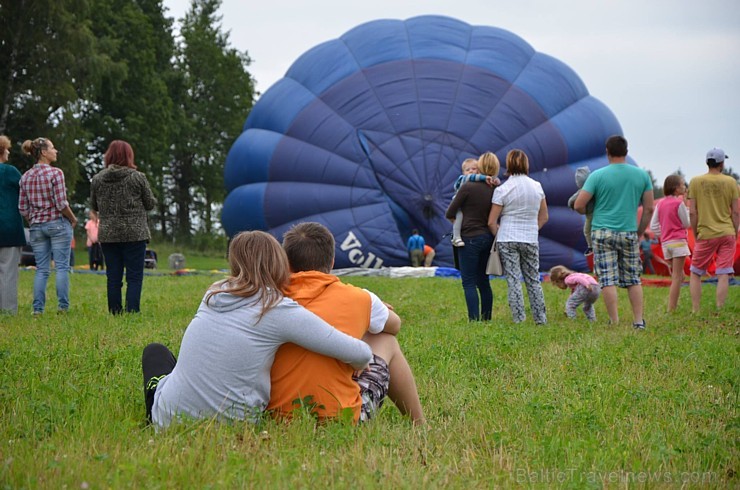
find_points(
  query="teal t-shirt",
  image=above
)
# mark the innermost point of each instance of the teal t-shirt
(617, 190)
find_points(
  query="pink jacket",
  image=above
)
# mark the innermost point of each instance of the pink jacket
(579, 279)
(92, 232)
(670, 219)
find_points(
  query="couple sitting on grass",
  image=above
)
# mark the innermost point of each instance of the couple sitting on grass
(279, 334)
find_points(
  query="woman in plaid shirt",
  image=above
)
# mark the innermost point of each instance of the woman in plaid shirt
(43, 202)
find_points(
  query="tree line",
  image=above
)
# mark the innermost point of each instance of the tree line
(86, 72)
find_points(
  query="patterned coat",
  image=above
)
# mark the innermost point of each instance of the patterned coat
(122, 197)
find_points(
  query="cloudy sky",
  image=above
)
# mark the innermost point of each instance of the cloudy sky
(668, 69)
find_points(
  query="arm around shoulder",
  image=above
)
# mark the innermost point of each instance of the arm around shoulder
(311, 332)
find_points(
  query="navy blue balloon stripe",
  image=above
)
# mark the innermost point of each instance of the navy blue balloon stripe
(366, 134)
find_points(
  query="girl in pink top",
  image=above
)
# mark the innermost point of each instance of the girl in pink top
(585, 290)
(94, 249)
(670, 222)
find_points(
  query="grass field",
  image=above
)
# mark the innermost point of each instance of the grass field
(569, 405)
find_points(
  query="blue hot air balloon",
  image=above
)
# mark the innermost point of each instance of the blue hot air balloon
(366, 134)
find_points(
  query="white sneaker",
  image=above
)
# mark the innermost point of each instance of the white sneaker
(458, 242)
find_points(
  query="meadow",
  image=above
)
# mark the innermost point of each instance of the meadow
(569, 405)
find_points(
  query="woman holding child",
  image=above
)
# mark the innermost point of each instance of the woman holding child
(474, 199)
(228, 349)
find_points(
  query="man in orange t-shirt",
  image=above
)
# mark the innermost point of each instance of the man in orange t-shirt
(327, 387)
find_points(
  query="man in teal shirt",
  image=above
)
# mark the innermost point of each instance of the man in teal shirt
(618, 190)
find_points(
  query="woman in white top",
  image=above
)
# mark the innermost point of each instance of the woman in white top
(227, 351)
(520, 204)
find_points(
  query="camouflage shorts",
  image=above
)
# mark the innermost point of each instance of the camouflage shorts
(373, 383)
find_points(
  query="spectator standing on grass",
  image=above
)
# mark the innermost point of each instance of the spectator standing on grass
(121, 196)
(520, 203)
(670, 222)
(714, 213)
(328, 386)
(94, 249)
(415, 247)
(12, 235)
(474, 199)
(618, 190)
(43, 202)
(227, 351)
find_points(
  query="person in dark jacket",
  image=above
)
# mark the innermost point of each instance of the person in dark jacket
(121, 196)
(474, 199)
(12, 237)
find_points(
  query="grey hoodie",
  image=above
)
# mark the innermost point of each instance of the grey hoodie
(582, 174)
(121, 196)
(227, 352)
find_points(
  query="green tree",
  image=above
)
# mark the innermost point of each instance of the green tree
(657, 190)
(731, 173)
(49, 68)
(213, 93)
(133, 102)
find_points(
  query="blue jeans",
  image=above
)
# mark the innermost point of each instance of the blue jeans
(128, 255)
(473, 258)
(53, 238)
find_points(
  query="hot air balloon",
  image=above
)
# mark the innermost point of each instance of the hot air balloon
(366, 134)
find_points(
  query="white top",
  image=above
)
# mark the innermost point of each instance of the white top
(520, 197)
(379, 313)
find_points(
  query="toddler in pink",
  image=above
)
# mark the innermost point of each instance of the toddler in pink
(585, 290)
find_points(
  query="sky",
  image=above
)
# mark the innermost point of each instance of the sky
(668, 69)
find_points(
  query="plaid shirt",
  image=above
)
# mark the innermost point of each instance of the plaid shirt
(43, 195)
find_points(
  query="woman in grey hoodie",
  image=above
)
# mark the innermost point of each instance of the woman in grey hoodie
(227, 351)
(121, 196)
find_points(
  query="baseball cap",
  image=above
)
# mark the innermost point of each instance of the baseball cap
(717, 154)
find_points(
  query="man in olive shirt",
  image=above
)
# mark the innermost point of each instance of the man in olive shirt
(715, 219)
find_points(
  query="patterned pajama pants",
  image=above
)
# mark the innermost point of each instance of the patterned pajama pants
(583, 296)
(523, 260)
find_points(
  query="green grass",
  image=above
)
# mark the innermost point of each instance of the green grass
(571, 405)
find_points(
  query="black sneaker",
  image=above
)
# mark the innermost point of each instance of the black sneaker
(639, 326)
(149, 389)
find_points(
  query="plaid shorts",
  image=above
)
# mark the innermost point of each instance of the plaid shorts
(616, 257)
(373, 383)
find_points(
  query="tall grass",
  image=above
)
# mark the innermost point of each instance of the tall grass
(571, 404)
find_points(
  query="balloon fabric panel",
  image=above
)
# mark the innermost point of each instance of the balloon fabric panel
(366, 134)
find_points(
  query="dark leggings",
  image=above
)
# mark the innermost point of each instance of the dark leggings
(156, 362)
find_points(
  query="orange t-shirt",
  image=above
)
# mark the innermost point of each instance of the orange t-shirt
(298, 373)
